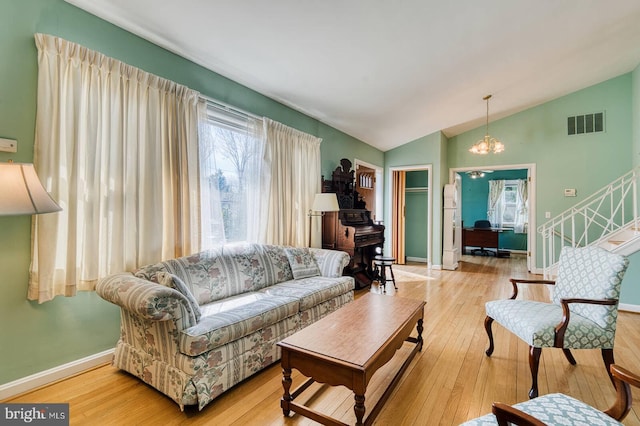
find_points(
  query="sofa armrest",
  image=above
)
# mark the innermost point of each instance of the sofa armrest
(331, 262)
(145, 299)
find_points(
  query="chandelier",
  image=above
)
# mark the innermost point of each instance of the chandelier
(487, 144)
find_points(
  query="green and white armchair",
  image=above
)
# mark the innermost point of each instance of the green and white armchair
(560, 409)
(582, 313)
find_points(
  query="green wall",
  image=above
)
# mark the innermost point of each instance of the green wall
(430, 150)
(585, 162)
(538, 135)
(635, 113)
(630, 288)
(38, 337)
(416, 207)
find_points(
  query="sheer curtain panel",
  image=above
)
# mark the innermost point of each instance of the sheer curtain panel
(494, 207)
(292, 162)
(522, 210)
(118, 148)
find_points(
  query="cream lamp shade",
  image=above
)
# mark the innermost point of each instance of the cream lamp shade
(323, 202)
(326, 202)
(21, 191)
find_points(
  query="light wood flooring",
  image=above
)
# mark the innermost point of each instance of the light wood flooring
(450, 381)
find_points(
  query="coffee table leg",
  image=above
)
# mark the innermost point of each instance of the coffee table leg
(419, 328)
(286, 384)
(359, 409)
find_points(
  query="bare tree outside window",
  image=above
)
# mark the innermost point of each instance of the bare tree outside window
(225, 159)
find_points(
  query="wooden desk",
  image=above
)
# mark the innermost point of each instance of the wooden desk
(486, 238)
(347, 347)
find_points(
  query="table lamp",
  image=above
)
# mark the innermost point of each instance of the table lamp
(21, 192)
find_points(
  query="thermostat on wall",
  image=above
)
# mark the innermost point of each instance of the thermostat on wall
(8, 145)
(570, 192)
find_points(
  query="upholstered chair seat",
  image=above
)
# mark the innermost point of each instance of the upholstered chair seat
(554, 409)
(582, 313)
(559, 409)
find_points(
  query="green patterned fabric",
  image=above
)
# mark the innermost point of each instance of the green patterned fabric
(594, 273)
(248, 301)
(225, 271)
(330, 262)
(554, 409)
(216, 330)
(311, 291)
(303, 262)
(172, 281)
(590, 273)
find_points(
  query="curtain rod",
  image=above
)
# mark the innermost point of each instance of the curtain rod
(227, 107)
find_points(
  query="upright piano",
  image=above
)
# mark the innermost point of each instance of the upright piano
(351, 229)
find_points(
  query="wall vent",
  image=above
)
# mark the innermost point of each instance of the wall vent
(588, 123)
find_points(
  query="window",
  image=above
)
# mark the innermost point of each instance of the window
(230, 151)
(509, 204)
(258, 178)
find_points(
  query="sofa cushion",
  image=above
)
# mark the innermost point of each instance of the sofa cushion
(330, 262)
(172, 281)
(303, 262)
(313, 290)
(225, 271)
(246, 314)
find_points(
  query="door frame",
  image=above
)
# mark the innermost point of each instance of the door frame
(531, 174)
(430, 194)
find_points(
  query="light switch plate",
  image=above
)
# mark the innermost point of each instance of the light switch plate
(8, 145)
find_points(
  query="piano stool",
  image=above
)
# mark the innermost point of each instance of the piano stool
(381, 263)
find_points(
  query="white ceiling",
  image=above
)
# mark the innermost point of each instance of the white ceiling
(390, 71)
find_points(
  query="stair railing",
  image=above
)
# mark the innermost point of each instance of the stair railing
(593, 220)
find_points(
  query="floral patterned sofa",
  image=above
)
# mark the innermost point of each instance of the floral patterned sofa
(195, 326)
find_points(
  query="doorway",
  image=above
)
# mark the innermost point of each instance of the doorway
(455, 175)
(410, 224)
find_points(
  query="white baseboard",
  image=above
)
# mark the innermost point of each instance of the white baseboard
(416, 259)
(51, 375)
(629, 308)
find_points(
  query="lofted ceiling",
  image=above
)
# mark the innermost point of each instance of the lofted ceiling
(388, 72)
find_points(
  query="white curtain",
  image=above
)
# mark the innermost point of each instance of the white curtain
(210, 197)
(292, 161)
(258, 182)
(522, 208)
(494, 212)
(118, 149)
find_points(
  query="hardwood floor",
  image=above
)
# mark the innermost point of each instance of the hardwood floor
(450, 381)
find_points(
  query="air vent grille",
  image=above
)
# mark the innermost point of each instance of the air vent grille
(588, 123)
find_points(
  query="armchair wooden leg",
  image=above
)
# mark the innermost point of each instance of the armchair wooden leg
(569, 356)
(487, 326)
(534, 362)
(607, 357)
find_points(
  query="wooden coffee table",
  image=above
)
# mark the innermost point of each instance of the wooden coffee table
(347, 347)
